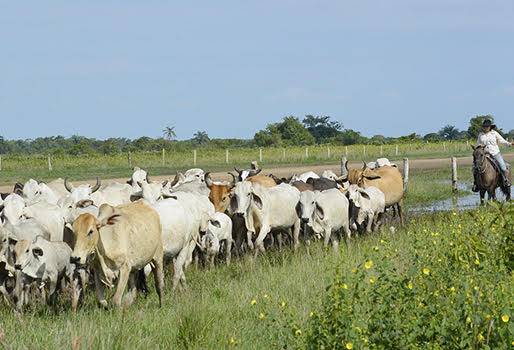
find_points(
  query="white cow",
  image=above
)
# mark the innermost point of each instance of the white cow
(34, 192)
(266, 208)
(13, 208)
(179, 235)
(113, 194)
(325, 212)
(366, 205)
(50, 216)
(40, 261)
(219, 230)
(305, 176)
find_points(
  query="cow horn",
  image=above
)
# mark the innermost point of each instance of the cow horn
(97, 186)
(238, 171)
(254, 172)
(364, 165)
(67, 185)
(147, 178)
(175, 180)
(233, 182)
(208, 180)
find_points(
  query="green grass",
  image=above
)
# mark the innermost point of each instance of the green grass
(216, 311)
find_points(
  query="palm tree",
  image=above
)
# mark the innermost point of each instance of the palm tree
(169, 133)
(201, 137)
(449, 132)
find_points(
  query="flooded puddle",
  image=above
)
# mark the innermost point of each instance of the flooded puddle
(469, 201)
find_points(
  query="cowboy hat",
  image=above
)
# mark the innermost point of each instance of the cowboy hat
(488, 123)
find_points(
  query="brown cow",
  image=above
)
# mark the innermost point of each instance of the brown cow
(263, 180)
(219, 194)
(387, 179)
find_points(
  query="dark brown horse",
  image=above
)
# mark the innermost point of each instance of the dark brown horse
(487, 176)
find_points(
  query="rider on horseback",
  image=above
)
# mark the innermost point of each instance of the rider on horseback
(490, 138)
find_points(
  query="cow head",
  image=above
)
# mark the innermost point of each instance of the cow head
(13, 206)
(194, 174)
(21, 253)
(86, 232)
(81, 192)
(308, 208)
(244, 174)
(243, 196)
(139, 175)
(219, 194)
(356, 196)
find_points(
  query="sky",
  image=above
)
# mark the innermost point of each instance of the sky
(125, 68)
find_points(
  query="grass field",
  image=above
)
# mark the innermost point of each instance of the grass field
(272, 302)
(83, 167)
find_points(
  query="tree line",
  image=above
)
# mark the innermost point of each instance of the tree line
(290, 131)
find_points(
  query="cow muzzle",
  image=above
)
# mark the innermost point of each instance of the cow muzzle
(75, 260)
(17, 266)
(305, 220)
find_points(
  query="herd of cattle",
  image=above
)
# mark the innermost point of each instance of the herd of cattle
(55, 236)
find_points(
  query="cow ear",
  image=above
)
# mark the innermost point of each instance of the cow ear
(473, 147)
(372, 177)
(298, 209)
(37, 252)
(168, 196)
(216, 223)
(319, 212)
(364, 194)
(257, 200)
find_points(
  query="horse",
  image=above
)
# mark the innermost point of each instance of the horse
(487, 175)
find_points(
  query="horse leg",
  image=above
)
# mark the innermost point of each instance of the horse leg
(482, 194)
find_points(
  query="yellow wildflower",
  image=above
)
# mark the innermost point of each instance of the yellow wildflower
(253, 302)
(410, 285)
(452, 289)
(311, 314)
(371, 280)
(344, 286)
(426, 271)
(368, 264)
(505, 318)
(480, 338)
(354, 270)
(282, 304)
(262, 316)
(266, 296)
(477, 262)
(349, 346)
(298, 332)
(232, 341)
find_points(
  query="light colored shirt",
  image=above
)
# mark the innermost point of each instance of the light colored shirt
(491, 140)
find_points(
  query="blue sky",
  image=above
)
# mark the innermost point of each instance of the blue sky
(128, 68)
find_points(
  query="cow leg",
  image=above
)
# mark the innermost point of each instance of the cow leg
(296, 234)
(228, 250)
(189, 257)
(369, 223)
(158, 276)
(100, 290)
(130, 295)
(327, 231)
(259, 242)
(178, 267)
(122, 284)
(249, 235)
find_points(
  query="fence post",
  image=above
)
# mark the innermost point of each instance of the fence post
(344, 171)
(444, 146)
(194, 157)
(129, 157)
(364, 151)
(396, 151)
(346, 150)
(260, 154)
(328, 153)
(306, 152)
(226, 156)
(283, 154)
(49, 164)
(405, 174)
(381, 150)
(454, 174)
(163, 156)
(0, 162)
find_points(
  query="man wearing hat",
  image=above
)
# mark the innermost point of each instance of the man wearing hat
(490, 138)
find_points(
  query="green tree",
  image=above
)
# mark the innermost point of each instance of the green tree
(290, 131)
(350, 137)
(321, 127)
(432, 137)
(475, 124)
(201, 138)
(169, 133)
(449, 132)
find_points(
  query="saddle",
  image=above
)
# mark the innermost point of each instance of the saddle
(495, 163)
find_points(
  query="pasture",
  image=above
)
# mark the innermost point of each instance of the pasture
(83, 167)
(439, 269)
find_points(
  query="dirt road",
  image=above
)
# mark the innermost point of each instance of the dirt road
(288, 170)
